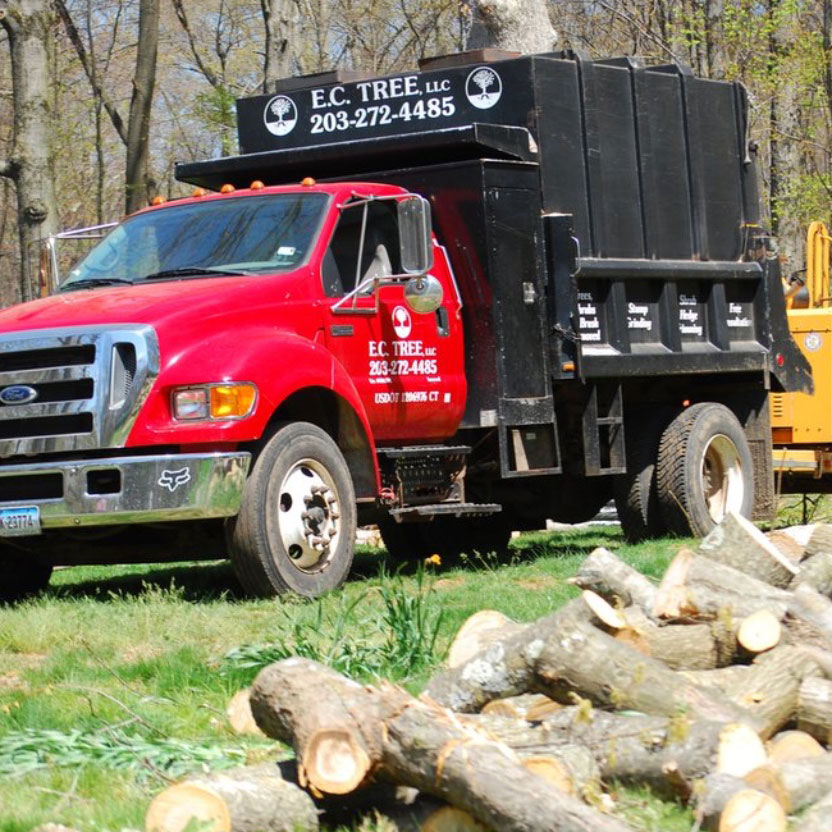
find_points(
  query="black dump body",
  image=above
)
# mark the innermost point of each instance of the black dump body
(599, 216)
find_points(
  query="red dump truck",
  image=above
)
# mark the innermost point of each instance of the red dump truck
(454, 302)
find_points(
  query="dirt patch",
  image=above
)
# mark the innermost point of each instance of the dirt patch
(536, 583)
(448, 583)
(12, 681)
(139, 653)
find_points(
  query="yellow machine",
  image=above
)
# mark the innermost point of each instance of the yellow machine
(802, 423)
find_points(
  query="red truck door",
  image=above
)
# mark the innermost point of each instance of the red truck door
(407, 368)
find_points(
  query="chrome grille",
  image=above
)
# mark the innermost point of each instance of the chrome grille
(90, 384)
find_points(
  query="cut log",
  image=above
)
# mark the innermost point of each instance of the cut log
(250, 799)
(812, 611)
(814, 708)
(722, 799)
(820, 540)
(789, 545)
(239, 714)
(793, 745)
(815, 571)
(412, 743)
(801, 782)
(737, 542)
(477, 632)
(615, 581)
(818, 818)
(769, 690)
(570, 768)
(698, 586)
(681, 646)
(635, 748)
(519, 707)
(822, 658)
(759, 632)
(721, 678)
(609, 617)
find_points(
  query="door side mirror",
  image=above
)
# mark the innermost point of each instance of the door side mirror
(415, 235)
(423, 294)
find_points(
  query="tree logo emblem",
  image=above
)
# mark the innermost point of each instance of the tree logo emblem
(280, 115)
(401, 322)
(483, 87)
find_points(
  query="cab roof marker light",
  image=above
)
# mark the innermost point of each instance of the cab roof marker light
(158, 200)
(198, 192)
(307, 182)
(228, 188)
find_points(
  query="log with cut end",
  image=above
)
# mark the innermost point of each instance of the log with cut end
(769, 690)
(737, 542)
(789, 545)
(412, 743)
(527, 706)
(819, 541)
(698, 586)
(726, 804)
(814, 708)
(681, 646)
(250, 799)
(614, 580)
(793, 745)
(801, 782)
(721, 678)
(634, 747)
(759, 632)
(605, 615)
(570, 768)
(477, 632)
(818, 818)
(239, 714)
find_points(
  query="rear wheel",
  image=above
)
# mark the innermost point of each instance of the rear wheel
(23, 575)
(296, 528)
(704, 470)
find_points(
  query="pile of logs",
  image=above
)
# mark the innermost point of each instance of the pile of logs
(714, 687)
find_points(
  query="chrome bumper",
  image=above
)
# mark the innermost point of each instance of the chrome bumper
(135, 489)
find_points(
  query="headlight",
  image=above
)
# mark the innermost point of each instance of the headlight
(232, 400)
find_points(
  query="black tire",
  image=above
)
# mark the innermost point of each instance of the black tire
(404, 541)
(275, 546)
(636, 501)
(704, 469)
(23, 575)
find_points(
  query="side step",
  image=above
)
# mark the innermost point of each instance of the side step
(452, 509)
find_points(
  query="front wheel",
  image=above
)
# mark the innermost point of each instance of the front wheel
(704, 470)
(296, 528)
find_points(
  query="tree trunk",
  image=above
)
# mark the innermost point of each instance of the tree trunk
(138, 183)
(280, 18)
(28, 26)
(513, 25)
(251, 799)
(342, 731)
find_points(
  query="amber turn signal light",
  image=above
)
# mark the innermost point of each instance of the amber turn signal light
(232, 401)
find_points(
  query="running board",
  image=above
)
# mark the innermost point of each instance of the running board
(453, 509)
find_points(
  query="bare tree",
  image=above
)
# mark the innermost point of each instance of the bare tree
(280, 19)
(28, 25)
(514, 25)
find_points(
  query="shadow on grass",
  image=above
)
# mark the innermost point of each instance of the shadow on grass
(208, 581)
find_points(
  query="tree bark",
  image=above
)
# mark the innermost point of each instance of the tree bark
(814, 708)
(387, 731)
(138, 183)
(812, 612)
(280, 19)
(818, 818)
(27, 24)
(815, 571)
(250, 799)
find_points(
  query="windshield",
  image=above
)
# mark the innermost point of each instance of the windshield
(247, 235)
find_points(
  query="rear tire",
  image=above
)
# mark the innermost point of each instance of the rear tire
(704, 470)
(296, 528)
(636, 501)
(23, 575)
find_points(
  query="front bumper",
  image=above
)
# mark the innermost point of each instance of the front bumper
(123, 490)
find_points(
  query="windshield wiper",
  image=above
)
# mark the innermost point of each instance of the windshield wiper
(94, 281)
(193, 271)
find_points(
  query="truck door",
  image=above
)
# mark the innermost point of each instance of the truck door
(407, 368)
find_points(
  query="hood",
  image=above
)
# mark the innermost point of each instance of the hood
(161, 305)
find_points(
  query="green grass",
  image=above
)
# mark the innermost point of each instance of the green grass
(116, 680)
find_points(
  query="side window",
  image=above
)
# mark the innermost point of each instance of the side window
(341, 269)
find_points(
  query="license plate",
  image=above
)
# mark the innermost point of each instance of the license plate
(19, 521)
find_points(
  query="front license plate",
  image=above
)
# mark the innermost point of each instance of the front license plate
(19, 521)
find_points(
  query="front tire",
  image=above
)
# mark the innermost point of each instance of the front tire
(704, 470)
(296, 528)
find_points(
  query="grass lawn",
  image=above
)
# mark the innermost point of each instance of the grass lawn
(115, 682)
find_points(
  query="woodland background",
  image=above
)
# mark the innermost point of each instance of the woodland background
(132, 86)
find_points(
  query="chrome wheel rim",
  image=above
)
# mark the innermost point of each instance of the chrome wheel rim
(308, 515)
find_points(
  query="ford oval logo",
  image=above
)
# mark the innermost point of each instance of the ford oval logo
(18, 394)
